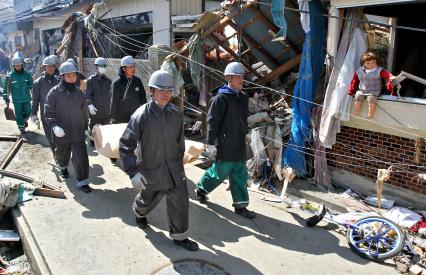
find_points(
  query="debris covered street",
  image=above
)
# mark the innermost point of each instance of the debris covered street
(97, 234)
(212, 137)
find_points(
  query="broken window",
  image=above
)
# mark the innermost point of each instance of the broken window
(126, 35)
(400, 49)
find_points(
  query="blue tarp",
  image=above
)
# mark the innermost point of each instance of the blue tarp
(311, 63)
(277, 11)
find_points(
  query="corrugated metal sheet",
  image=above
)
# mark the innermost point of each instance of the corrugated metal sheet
(186, 7)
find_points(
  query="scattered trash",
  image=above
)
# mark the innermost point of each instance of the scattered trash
(401, 267)
(319, 215)
(415, 270)
(18, 266)
(197, 127)
(403, 217)
(353, 217)
(258, 118)
(12, 193)
(349, 194)
(309, 206)
(374, 201)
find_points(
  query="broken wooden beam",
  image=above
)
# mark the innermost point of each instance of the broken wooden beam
(64, 44)
(8, 138)
(49, 191)
(225, 20)
(42, 188)
(258, 46)
(234, 54)
(280, 70)
(11, 153)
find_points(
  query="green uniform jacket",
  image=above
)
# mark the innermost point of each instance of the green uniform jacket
(20, 86)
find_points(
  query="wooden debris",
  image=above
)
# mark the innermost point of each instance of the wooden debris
(42, 188)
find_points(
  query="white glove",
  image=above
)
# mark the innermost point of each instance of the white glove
(211, 151)
(139, 181)
(59, 132)
(92, 110)
(35, 119)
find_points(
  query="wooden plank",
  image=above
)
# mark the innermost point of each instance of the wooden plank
(11, 153)
(45, 189)
(280, 70)
(263, 51)
(231, 52)
(47, 192)
(225, 20)
(274, 28)
(8, 138)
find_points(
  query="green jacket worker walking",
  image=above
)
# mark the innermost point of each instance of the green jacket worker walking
(18, 85)
(227, 127)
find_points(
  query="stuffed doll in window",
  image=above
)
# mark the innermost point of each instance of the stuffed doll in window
(367, 83)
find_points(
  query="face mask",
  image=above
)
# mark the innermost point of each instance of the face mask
(102, 70)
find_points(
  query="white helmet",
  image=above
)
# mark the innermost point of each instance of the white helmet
(50, 60)
(16, 60)
(127, 60)
(100, 61)
(66, 68)
(234, 68)
(162, 80)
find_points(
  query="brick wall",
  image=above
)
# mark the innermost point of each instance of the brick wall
(362, 152)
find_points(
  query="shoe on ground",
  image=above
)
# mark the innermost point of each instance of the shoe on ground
(201, 196)
(142, 222)
(187, 244)
(26, 124)
(86, 189)
(244, 212)
(64, 173)
(113, 160)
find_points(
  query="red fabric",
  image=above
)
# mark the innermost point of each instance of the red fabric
(354, 84)
(386, 75)
(418, 225)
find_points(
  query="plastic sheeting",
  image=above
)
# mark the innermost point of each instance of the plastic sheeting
(170, 66)
(333, 107)
(277, 11)
(311, 63)
(196, 54)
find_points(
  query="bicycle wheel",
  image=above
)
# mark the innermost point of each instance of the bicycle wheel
(376, 238)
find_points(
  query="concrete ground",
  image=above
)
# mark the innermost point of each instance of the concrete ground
(96, 233)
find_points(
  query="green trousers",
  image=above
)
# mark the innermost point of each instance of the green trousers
(22, 113)
(237, 174)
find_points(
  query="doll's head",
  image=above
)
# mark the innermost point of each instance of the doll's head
(369, 60)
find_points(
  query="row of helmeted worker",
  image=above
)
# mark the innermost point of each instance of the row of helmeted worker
(152, 146)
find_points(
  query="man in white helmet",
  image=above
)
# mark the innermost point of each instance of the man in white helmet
(41, 88)
(80, 76)
(152, 149)
(227, 129)
(98, 95)
(128, 93)
(67, 115)
(18, 85)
